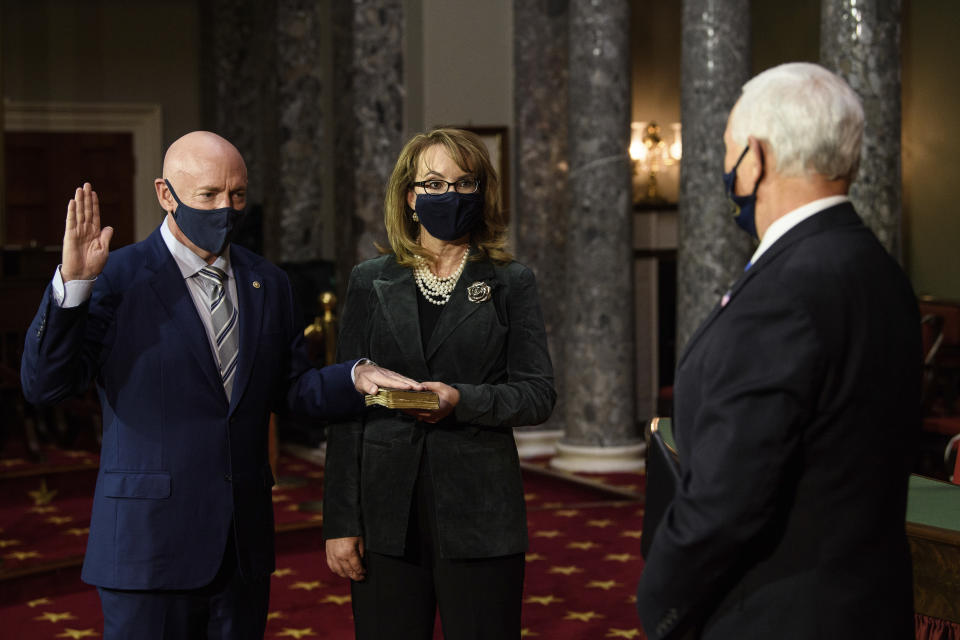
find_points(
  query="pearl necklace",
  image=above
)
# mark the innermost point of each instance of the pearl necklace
(437, 290)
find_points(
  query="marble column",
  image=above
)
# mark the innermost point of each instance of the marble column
(539, 217)
(302, 129)
(860, 41)
(712, 250)
(369, 99)
(601, 431)
(239, 101)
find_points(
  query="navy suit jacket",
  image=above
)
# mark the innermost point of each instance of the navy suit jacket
(795, 408)
(180, 464)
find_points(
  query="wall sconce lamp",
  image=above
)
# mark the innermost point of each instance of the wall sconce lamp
(651, 154)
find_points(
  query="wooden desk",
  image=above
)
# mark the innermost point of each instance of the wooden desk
(933, 529)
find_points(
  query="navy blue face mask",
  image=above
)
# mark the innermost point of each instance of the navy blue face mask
(450, 215)
(209, 229)
(744, 207)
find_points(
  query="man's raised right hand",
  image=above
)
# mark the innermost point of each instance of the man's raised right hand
(85, 245)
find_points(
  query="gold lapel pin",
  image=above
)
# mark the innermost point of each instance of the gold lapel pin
(256, 284)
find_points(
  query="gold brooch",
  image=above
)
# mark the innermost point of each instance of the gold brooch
(478, 292)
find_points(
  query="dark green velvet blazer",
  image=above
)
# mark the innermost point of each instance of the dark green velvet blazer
(495, 353)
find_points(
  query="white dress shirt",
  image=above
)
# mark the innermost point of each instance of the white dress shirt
(789, 220)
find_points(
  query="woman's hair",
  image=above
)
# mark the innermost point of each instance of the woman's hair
(809, 116)
(470, 154)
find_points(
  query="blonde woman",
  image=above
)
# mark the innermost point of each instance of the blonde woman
(424, 509)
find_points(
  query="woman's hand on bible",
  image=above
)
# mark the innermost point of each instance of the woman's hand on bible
(449, 398)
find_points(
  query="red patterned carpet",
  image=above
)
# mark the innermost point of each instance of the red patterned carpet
(581, 574)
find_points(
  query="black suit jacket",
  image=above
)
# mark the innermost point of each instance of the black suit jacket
(495, 354)
(795, 408)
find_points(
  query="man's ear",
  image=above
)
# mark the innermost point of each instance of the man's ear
(167, 203)
(757, 161)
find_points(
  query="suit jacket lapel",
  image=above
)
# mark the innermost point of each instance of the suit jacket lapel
(250, 296)
(397, 293)
(842, 214)
(167, 282)
(459, 308)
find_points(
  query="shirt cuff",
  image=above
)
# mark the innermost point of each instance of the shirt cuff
(70, 294)
(353, 376)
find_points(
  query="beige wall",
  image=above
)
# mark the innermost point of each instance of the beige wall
(105, 51)
(931, 145)
(467, 62)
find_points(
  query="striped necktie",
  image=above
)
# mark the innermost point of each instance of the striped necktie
(224, 316)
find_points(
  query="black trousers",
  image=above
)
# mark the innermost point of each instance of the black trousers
(479, 599)
(229, 608)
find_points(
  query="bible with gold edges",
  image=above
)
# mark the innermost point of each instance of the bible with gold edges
(403, 399)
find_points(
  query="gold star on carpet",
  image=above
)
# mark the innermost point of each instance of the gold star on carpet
(307, 586)
(633, 533)
(42, 510)
(586, 546)
(277, 497)
(315, 474)
(316, 517)
(56, 617)
(619, 557)
(552, 533)
(273, 615)
(599, 523)
(38, 602)
(283, 573)
(632, 599)
(293, 507)
(566, 570)
(296, 633)
(566, 513)
(76, 634)
(551, 505)
(58, 520)
(296, 467)
(76, 454)
(623, 633)
(639, 512)
(582, 616)
(335, 599)
(9, 543)
(42, 496)
(628, 487)
(606, 585)
(526, 633)
(77, 531)
(530, 496)
(22, 555)
(534, 556)
(544, 600)
(11, 462)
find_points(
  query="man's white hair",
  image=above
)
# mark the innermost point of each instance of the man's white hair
(810, 117)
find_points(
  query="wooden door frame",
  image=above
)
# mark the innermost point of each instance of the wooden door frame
(143, 121)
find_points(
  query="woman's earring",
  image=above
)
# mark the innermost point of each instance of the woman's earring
(416, 218)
